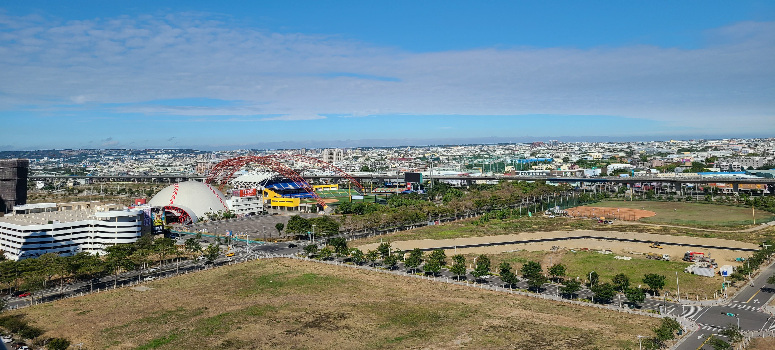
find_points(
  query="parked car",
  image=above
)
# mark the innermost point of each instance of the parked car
(6, 339)
(149, 278)
(24, 295)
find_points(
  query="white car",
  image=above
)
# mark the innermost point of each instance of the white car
(149, 278)
(7, 339)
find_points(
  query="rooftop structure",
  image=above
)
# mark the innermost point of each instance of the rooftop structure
(13, 183)
(66, 232)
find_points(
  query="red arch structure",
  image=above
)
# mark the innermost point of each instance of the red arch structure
(325, 165)
(224, 171)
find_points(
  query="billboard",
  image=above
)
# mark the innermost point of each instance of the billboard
(244, 193)
(413, 177)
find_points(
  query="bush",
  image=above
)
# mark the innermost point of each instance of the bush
(58, 344)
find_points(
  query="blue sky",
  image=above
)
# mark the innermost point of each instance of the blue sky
(227, 74)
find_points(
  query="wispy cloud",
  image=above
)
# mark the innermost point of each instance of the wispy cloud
(120, 64)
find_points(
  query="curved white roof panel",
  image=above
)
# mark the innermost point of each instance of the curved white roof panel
(194, 197)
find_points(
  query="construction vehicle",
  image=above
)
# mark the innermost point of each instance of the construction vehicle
(693, 256)
(656, 256)
(655, 245)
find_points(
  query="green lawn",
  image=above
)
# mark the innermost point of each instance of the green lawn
(694, 214)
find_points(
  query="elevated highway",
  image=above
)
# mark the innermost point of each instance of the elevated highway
(471, 179)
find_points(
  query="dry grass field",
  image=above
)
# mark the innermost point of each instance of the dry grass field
(289, 304)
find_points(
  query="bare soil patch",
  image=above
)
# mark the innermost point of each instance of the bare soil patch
(628, 214)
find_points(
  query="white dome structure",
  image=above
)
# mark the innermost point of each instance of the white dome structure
(195, 198)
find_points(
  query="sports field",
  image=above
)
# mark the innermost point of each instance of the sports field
(695, 214)
(289, 304)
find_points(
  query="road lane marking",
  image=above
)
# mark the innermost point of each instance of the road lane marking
(757, 292)
(703, 343)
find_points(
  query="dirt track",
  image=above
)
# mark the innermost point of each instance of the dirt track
(722, 256)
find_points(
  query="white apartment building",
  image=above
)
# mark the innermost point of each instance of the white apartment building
(44, 230)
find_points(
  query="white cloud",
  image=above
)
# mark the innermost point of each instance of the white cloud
(294, 117)
(131, 60)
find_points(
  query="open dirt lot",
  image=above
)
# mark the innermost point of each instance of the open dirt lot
(289, 304)
(723, 257)
(628, 214)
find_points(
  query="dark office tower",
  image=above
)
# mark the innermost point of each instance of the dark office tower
(13, 183)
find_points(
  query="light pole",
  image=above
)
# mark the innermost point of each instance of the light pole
(640, 341)
(313, 233)
(678, 286)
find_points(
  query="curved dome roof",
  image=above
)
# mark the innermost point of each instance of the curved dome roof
(196, 198)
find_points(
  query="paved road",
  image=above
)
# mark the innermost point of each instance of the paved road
(746, 307)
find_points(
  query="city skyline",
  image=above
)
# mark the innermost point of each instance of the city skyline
(219, 76)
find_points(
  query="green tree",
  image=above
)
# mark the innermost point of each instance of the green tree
(507, 274)
(311, 250)
(211, 252)
(340, 245)
(438, 256)
(117, 259)
(458, 267)
(557, 271)
(570, 287)
(164, 247)
(325, 253)
(432, 266)
(621, 282)
(193, 246)
(531, 268)
(279, 227)
(298, 225)
(594, 279)
(732, 332)
(390, 261)
(635, 295)
(482, 267)
(414, 260)
(384, 249)
(604, 292)
(654, 281)
(771, 279)
(718, 344)
(372, 256)
(357, 256)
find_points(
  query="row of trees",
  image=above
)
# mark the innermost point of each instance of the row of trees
(444, 201)
(50, 269)
(531, 271)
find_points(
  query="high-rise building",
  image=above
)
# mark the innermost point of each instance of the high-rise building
(13, 183)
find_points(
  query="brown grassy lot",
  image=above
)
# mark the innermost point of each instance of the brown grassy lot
(290, 304)
(762, 344)
(693, 214)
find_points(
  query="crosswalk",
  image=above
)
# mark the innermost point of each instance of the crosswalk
(710, 327)
(739, 305)
(691, 311)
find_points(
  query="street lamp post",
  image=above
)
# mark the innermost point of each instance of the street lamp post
(678, 286)
(640, 341)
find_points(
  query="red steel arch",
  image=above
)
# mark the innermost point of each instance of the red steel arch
(326, 165)
(224, 171)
